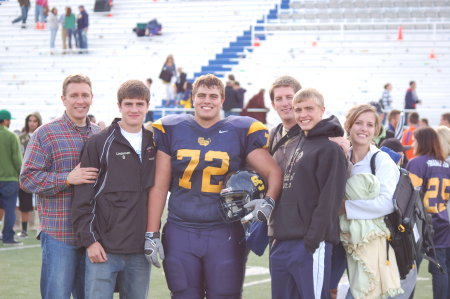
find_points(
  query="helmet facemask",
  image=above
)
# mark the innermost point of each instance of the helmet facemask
(232, 204)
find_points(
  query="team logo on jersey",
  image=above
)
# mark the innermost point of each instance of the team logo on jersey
(123, 154)
(204, 142)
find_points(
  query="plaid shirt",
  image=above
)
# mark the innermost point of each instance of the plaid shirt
(53, 151)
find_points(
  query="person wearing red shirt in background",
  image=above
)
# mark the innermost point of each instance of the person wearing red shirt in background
(407, 139)
(257, 101)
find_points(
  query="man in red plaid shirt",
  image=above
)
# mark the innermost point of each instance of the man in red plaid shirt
(50, 169)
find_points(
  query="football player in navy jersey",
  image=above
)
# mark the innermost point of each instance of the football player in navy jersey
(204, 256)
(431, 173)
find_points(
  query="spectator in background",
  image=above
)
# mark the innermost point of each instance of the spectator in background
(395, 123)
(186, 100)
(168, 76)
(240, 92)
(231, 99)
(430, 172)
(39, 17)
(53, 24)
(50, 170)
(2, 212)
(32, 122)
(68, 29)
(395, 145)
(101, 124)
(82, 29)
(393, 119)
(149, 115)
(445, 120)
(257, 101)
(444, 138)
(423, 122)
(92, 118)
(411, 99)
(24, 7)
(407, 138)
(10, 161)
(181, 79)
(383, 133)
(386, 100)
(149, 82)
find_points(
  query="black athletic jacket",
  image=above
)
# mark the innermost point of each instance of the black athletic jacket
(113, 211)
(313, 189)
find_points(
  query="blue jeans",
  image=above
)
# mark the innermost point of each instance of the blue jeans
(71, 33)
(441, 281)
(53, 32)
(62, 270)
(24, 15)
(82, 39)
(8, 196)
(39, 14)
(132, 272)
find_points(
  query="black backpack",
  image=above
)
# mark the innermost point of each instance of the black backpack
(410, 225)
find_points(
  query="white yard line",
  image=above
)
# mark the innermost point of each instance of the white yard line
(248, 284)
(19, 247)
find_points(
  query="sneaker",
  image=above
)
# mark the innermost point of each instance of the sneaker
(22, 235)
(12, 243)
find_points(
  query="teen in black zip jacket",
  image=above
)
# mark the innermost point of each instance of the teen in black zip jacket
(120, 194)
(304, 222)
(110, 216)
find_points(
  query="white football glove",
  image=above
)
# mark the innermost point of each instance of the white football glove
(261, 209)
(153, 247)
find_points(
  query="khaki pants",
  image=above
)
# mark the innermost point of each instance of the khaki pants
(64, 38)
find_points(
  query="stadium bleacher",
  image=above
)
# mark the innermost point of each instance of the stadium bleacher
(193, 31)
(346, 48)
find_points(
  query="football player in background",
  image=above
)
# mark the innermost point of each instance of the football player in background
(204, 255)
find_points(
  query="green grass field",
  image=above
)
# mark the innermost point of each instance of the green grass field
(20, 272)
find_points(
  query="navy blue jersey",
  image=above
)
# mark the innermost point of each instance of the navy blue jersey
(200, 160)
(433, 177)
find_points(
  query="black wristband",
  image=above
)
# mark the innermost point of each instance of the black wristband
(270, 200)
(153, 235)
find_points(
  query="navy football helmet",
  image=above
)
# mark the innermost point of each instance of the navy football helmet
(240, 188)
